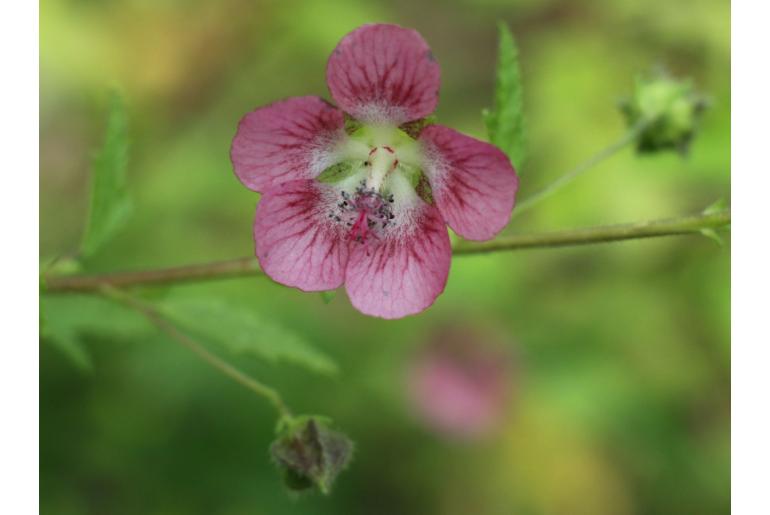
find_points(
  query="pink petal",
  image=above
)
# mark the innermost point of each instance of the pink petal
(296, 244)
(402, 274)
(473, 182)
(285, 141)
(384, 73)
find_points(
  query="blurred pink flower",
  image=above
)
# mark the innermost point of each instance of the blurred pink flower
(460, 384)
(364, 199)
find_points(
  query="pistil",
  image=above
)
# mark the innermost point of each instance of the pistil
(381, 161)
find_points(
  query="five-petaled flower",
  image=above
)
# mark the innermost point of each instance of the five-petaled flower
(364, 199)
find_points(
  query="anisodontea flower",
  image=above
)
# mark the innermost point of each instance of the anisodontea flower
(364, 199)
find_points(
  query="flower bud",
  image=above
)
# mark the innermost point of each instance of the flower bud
(667, 110)
(309, 453)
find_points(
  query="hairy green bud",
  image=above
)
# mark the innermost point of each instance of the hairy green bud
(309, 453)
(667, 110)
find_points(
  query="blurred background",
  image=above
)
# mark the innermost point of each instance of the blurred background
(611, 390)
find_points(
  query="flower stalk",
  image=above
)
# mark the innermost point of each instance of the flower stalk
(247, 267)
(628, 138)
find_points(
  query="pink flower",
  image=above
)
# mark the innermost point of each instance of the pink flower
(460, 384)
(364, 200)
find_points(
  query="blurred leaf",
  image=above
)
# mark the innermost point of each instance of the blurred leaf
(244, 331)
(68, 342)
(505, 121)
(716, 207)
(66, 319)
(110, 205)
(64, 336)
(713, 235)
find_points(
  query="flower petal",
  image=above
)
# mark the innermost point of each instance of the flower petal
(295, 243)
(285, 141)
(473, 182)
(400, 275)
(384, 73)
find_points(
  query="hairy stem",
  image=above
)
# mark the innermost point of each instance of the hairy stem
(157, 319)
(628, 138)
(250, 267)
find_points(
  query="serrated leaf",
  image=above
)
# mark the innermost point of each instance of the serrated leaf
(505, 120)
(110, 204)
(245, 331)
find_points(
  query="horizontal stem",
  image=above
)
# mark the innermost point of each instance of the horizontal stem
(250, 267)
(602, 234)
(157, 319)
(242, 267)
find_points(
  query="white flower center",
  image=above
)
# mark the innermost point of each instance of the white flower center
(376, 177)
(382, 161)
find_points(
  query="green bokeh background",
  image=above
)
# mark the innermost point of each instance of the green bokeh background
(622, 396)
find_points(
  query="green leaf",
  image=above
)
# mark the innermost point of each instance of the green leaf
(244, 331)
(505, 121)
(717, 207)
(110, 204)
(66, 338)
(713, 235)
(67, 319)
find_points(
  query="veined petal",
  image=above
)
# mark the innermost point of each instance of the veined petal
(295, 243)
(402, 274)
(474, 184)
(285, 141)
(384, 74)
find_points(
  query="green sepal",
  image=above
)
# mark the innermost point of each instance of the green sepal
(328, 296)
(424, 190)
(418, 181)
(309, 453)
(668, 111)
(351, 124)
(415, 127)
